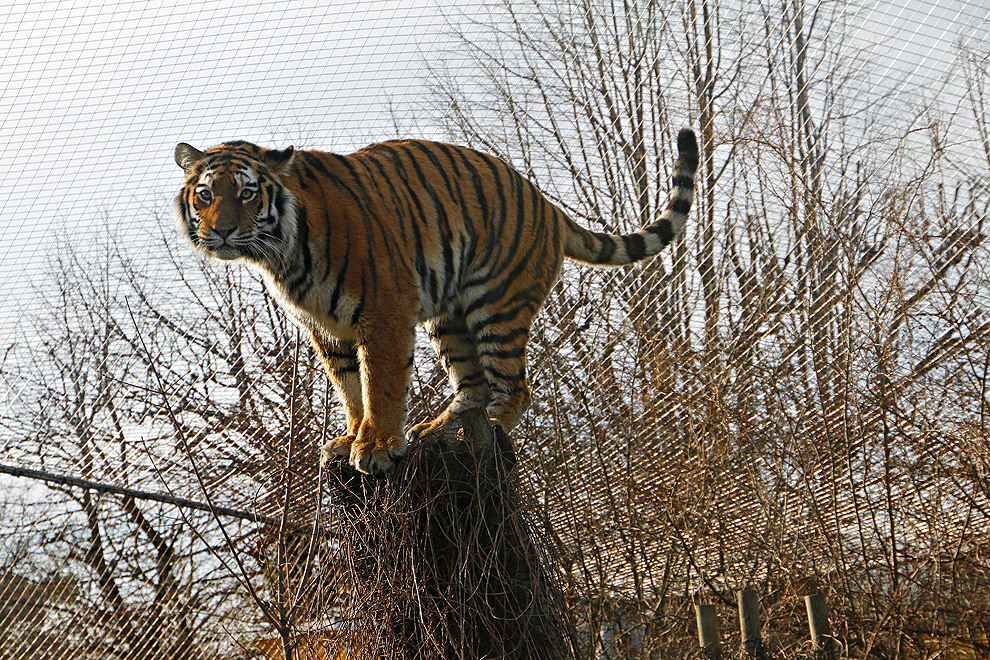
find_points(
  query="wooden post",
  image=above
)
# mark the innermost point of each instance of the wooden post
(821, 631)
(708, 631)
(749, 624)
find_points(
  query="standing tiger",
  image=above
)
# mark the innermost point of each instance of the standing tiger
(359, 249)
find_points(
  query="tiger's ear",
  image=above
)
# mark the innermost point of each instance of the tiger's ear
(278, 160)
(186, 156)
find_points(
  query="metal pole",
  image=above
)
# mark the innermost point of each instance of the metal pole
(129, 492)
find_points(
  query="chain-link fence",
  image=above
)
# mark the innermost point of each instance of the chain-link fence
(792, 399)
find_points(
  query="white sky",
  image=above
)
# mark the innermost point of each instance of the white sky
(94, 96)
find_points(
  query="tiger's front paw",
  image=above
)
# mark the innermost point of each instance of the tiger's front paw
(373, 452)
(339, 447)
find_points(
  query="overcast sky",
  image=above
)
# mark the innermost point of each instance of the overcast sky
(94, 96)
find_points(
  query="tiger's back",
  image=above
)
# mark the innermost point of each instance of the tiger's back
(424, 222)
(359, 249)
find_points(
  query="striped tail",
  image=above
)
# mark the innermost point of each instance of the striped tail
(607, 250)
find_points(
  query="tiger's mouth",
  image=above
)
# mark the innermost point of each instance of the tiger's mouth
(224, 252)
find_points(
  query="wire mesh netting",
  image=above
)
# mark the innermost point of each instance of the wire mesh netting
(793, 398)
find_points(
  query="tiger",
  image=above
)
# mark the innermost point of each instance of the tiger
(360, 249)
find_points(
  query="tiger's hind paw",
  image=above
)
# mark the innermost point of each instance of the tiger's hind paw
(443, 421)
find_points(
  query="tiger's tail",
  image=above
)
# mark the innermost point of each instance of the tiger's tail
(608, 250)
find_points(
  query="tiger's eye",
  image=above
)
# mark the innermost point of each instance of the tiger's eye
(247, 195)
(204, 195)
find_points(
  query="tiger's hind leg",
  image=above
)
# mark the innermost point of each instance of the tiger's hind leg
(500, 338)
(341, 361)
(454, 345)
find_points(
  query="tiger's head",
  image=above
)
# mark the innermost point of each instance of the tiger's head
(233, 204)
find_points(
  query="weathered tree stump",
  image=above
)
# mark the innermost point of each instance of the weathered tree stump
(440, 562)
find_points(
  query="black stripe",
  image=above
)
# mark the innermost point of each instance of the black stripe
(326, 217)
(492, 242)
(663, 230)
(503, 354)
(607, 248)
(324, 171)
(302, 172)
(447, 242)
(360, 197)
(360, 306)
(441, 228)
(281, 199)
(506, 338)
(371, 227)
(295, 286)
(519, 185)
(500, 317)
(397, 214)
(338, 284)
(635, 246)
(436, 332)
(682, 206)
(417, 216)
(496, 240)
(476, 379)
(497, 292)
(548, 220)
(448, 350)
(455, 190)
(466, 236)
(502, 376)
(480, 198)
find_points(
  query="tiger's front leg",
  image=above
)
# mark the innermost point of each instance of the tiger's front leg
(385, 354)
(341, 361)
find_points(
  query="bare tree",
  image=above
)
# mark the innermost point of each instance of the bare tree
(134, 386)
(835, 295)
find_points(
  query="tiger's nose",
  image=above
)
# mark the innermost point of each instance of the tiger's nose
(224, 232)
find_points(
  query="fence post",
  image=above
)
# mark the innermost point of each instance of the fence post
(821, 632)
(749, 624)
(708, 631)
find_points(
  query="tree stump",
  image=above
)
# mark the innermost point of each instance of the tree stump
(440, 562)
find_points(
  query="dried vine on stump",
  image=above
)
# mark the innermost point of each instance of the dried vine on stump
(440, 562)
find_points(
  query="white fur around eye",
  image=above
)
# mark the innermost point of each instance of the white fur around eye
(246, 178)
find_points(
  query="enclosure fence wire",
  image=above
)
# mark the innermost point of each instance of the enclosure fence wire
(792, 398)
